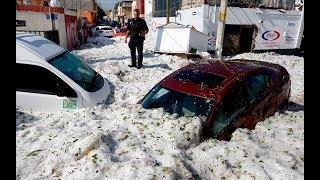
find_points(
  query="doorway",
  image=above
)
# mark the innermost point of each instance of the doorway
(238, 39)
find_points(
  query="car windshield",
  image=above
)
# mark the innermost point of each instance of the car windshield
(178, 103)
(75, 69)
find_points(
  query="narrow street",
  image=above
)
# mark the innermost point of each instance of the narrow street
(120, 139)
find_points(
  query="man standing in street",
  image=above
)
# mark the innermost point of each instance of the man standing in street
(137, 29)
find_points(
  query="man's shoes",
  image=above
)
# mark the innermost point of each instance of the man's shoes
(131, 65)
(139, 67)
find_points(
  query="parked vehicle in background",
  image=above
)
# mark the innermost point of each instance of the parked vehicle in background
(226, 95)
(51, 78)
(106, 31)
(103, 22)
(114, 24)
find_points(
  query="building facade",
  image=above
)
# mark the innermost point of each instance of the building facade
(64, 22)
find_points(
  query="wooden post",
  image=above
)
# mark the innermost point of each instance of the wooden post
(79, 8)
(301, 29)
(221, 25)
(96, 13)
(168, 11)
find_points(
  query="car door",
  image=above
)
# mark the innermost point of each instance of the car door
(257, 92)
(38, 89)
(232, 106)
(245, 105)
(262, 100)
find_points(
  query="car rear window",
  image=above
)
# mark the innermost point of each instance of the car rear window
(200, 78)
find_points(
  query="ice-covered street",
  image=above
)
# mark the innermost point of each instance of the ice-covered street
(120, 140)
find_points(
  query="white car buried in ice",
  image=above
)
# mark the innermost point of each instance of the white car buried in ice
(106, 31)
(51, 78)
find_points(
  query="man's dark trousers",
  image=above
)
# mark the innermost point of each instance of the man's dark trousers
(136, 43)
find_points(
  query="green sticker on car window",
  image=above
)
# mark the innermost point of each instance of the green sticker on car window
(69, 104)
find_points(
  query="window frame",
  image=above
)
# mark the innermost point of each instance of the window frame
(41, 66)
(265, 91)
(159, 8)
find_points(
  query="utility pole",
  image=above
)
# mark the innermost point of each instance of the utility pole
(78, 8)
(97, 7)
(168, 11)
(51, 19)
(221, 25)
(301, 29)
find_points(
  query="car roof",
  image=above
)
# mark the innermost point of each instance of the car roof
(32, 47)
(227, 69)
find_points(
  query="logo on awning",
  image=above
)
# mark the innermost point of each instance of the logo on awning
(270, 35)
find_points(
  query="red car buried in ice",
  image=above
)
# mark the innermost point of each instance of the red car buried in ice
(226, 94)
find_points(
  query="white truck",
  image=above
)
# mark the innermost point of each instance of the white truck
(246, 30)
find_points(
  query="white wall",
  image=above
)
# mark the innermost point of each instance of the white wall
(38, 21)
(199, 17)
(34, 21)
(148, 6)
(61, 26)
(192, 16)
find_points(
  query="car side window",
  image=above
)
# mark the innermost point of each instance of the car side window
(233, 104)
(256, 85)
(36, 79)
